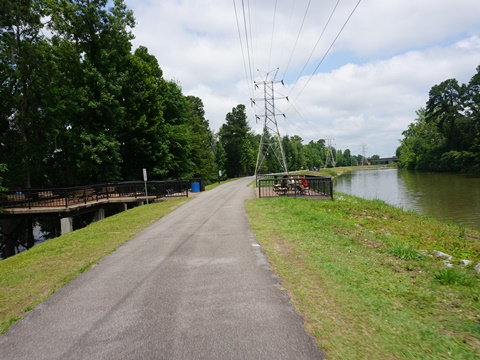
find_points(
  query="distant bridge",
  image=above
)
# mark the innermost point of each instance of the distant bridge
(387, 160)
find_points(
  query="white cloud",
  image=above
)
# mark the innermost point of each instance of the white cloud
(373, 80)
(380, 27)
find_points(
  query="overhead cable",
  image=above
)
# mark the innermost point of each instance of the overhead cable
(249, 70)
(326, 53)
(296, 41)
(273, 31)
(318, 40)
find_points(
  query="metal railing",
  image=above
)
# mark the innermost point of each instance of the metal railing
(315, 186)
(65, 197)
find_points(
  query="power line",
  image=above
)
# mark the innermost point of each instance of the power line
(318, 40)
(273, 31)
(251, 40)
(328, 50)
(241, 46)
(296, 41)
(285, 37)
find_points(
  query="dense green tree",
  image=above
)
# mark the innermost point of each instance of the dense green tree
(348, 159)
(472, 110)
(220, 158)
(24, 85)
(445, 136)
(249, 154)
(339, 160)
(3, 169)
(421, 144)
(76, 106)
(294, 155)
(233, 136)
(288, 151)
(142, 135)
(202, 153)
(93, 45)
(445, 109)
(315, 154)
(176, 111)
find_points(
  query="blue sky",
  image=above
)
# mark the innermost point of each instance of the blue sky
(365, 91)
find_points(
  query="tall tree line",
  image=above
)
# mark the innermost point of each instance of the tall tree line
(446, 133)
(77, 106)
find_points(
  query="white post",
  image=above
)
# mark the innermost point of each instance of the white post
(100, 214)
(66, 225)
(145, 179)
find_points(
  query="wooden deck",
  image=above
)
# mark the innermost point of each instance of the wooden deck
(73, 206)
(80, 198)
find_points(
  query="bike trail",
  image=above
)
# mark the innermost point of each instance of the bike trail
(194, 285)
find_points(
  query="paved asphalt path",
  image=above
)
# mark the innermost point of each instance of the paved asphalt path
(194, 285)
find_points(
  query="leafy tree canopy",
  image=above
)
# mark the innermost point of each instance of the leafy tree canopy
(446, 133)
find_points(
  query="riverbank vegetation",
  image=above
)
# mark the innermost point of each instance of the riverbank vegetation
(363, 276)
(446, 134)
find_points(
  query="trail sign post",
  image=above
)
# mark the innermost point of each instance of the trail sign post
(145, 180)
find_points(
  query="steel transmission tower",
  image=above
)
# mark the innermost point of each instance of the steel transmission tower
(270, 141)
(364, 159)
(330, 158)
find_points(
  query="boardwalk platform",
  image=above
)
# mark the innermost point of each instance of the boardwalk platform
(73, 199)
(20, 209)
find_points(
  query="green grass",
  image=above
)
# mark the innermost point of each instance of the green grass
(405, 252)
(454, 276)
(360, 273)
(31, 276)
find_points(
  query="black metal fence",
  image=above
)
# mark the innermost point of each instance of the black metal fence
(65, 197)
(295, 186)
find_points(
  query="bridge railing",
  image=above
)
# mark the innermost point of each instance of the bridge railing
(318, 186)
(65, 197)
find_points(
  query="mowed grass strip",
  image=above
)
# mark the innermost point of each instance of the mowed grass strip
(30, 277)
(361, 274)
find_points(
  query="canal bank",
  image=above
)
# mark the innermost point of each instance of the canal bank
(367, 280)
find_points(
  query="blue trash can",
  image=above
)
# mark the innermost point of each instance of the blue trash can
(195, 187)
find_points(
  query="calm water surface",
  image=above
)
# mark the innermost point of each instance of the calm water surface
(447, 197)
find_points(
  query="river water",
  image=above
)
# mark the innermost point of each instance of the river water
(447, 197)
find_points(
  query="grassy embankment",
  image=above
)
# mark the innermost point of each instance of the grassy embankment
(362, 275)
(31, 276)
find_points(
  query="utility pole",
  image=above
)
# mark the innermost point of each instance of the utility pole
(364, 150)
(270, 141)
(330, 158)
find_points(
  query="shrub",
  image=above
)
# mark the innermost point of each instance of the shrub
(405, 252)
(453, 276)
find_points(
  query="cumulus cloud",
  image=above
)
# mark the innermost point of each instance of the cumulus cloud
(367, 89)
